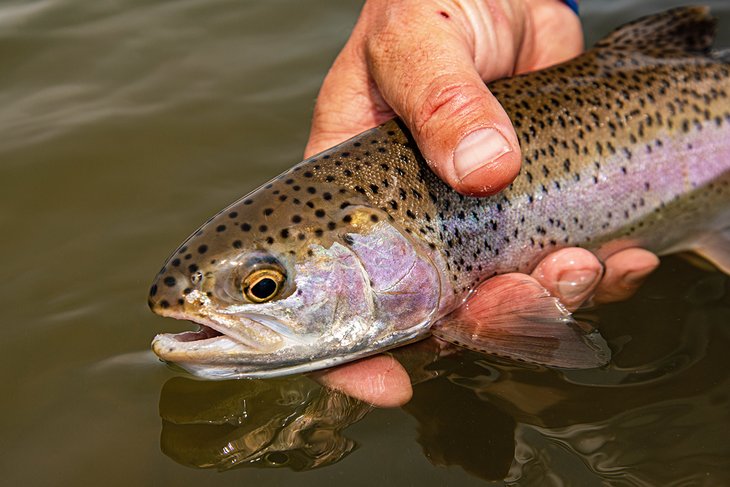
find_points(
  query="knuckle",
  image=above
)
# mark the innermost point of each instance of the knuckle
(442, 99)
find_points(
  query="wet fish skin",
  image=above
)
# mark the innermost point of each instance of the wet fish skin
(627, 145)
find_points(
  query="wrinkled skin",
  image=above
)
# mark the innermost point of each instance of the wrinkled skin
(400, 61)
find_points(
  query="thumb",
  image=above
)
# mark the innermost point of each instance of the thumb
(430, 80)
(466, 136)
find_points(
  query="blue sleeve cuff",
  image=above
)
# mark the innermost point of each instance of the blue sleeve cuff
(573, 4)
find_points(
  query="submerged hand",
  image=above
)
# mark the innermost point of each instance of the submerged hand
(426, 62)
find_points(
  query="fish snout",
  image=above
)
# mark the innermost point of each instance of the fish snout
(169, 290)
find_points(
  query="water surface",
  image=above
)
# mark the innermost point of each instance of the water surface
(127, 123)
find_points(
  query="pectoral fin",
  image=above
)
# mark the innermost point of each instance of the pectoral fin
(513, 316)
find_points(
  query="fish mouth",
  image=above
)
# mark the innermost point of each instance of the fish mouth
(218, 338)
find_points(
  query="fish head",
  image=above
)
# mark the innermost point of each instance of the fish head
(290, 280)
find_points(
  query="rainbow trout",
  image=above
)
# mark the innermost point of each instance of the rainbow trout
(362, 248)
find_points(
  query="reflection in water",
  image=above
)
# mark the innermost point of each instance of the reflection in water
(274, 423)
(658, 415)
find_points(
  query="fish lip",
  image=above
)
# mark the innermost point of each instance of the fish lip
(167, 344)
(173, 348)
(169, 348)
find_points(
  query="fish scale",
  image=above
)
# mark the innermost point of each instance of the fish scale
(624, 146)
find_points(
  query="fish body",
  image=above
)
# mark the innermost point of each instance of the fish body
(362, 247)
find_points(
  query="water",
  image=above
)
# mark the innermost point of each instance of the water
(127, 123)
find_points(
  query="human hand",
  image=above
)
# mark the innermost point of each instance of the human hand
(426, 62)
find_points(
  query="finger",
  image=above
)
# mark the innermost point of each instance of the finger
(380, 380)
(425, 68)
(625, 271)
(570, 274)
(348, 102)
(557, 23)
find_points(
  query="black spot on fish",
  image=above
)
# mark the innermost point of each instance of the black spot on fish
(202, 249)
(169, 281)
(220, 228)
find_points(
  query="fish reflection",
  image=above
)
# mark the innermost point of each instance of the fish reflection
(645, 420)
(276, 423)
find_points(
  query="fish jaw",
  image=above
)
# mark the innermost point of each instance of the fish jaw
(210, 353)
(255, 366)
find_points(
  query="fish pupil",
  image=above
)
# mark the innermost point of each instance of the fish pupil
(264, 288)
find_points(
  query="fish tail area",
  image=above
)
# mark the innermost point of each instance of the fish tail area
(513, 316)
(677, 31)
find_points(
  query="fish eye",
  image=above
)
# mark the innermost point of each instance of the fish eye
(277, 458)
(262, 285)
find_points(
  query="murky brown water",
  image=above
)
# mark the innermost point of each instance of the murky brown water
(127, 123)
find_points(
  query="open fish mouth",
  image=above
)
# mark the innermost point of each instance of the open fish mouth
(219, 337)
(203, 333)
(210, 352)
